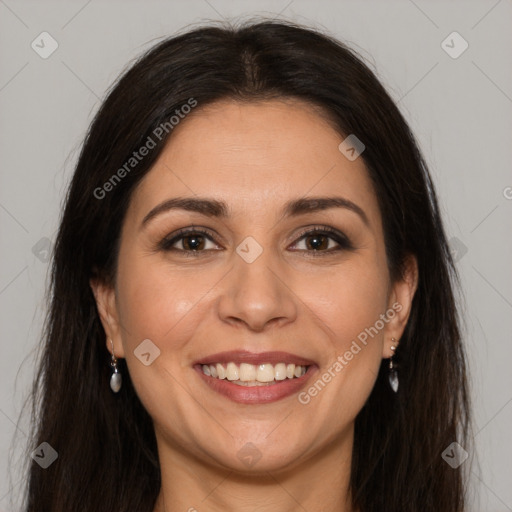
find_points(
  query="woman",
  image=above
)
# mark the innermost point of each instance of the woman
(252, 294)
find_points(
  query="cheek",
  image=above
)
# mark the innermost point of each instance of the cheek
(349, 299)
(153, 300)
(350, 305)
(164, 306)
(167, 304)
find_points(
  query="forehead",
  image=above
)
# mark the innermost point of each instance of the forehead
(255, 157)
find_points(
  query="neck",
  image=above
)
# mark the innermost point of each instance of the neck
(321, 482)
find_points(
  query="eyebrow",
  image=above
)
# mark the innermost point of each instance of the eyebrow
(219, 209)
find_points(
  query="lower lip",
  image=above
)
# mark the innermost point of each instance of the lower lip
(254, 395)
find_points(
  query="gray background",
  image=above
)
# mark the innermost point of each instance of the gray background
(460, 110)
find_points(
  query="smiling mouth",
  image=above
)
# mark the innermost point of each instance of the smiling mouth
(245, 374)
(252, 378)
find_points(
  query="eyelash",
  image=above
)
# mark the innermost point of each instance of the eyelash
(343, 242)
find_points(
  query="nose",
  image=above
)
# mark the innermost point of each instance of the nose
(257, 294)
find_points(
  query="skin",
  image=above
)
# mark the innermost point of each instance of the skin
(255, 157)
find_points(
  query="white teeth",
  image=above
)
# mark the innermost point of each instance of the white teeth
(232, 371)
(221, 372)
(247, 372)
(253, 383)
(265, 373)
(253, 375)
(280, 371)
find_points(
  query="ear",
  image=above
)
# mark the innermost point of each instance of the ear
(400, 301)
(107, 308)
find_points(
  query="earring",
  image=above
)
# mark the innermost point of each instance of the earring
(116, 378)
(393, 374)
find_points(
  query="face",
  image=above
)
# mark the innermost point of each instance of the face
(256, 288)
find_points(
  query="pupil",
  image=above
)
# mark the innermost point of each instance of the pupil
(194, 242)
(317, 241)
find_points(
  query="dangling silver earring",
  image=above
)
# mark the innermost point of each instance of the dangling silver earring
(393, 374)
(116, 379)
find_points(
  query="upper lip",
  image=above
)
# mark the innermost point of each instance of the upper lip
(244, 356)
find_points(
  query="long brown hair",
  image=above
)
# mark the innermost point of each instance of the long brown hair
(107, 457)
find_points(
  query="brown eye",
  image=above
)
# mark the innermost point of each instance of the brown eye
(193, 242)
(317, 242)
(324, 240)
(190, 242)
